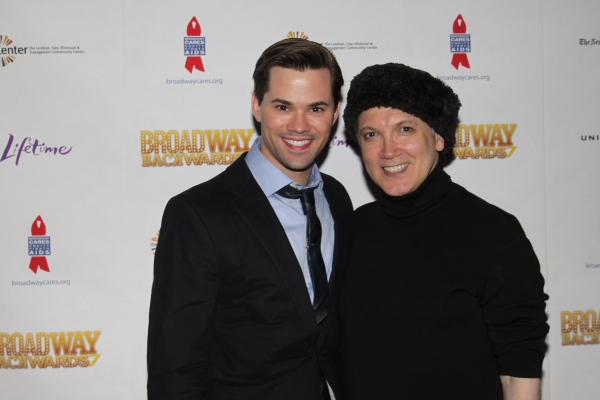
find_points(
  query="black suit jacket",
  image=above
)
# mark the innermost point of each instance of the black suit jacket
(230, 314)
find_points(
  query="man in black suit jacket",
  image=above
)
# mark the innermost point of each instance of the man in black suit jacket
(231, 314)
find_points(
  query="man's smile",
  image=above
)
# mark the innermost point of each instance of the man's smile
(396, 168)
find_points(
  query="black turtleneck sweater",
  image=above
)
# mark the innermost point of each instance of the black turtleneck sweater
(442, 295)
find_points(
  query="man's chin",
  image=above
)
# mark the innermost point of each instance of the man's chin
(298, 164)
(302, 168)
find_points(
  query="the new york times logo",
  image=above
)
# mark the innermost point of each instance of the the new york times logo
(589, 42)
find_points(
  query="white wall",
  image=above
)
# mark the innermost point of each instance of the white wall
(530, 73)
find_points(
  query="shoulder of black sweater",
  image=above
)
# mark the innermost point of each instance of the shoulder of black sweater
(367, 210)
(463, 202)
(482, 211)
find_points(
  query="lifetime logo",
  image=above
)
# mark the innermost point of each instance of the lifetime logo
(30, 146)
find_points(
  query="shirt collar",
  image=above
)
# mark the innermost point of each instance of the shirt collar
(269, 177)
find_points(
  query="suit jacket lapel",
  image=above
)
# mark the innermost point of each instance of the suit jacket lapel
(254, 207)
(341, 230)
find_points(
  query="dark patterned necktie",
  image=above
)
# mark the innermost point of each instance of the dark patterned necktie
(316, 265)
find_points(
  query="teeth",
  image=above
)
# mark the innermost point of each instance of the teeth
(297, 143)
(396, 168)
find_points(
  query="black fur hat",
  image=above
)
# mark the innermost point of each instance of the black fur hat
(407, 89)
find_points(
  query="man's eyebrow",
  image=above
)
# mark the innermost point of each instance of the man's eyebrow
(405, 122)
(396, 125)
(367, 128)
(289, 103)
(281, 101)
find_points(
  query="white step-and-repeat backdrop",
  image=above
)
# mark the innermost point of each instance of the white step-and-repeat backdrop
(103, 118)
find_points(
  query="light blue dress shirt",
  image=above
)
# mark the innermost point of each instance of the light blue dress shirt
(289, 211)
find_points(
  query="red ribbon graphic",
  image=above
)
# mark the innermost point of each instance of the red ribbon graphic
(191, 62)
(459, 27)
(38, 229)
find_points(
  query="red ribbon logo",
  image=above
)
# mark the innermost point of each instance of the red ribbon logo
(38, 229)
(191, 62)
(459, 27)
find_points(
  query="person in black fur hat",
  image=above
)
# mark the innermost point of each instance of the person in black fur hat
(443, 296)
(411, 90)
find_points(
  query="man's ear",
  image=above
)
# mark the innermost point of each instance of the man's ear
(439, 142)
(255, 107)
(336, 113)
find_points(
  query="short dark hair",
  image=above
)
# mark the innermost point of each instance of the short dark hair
(407, 89)
(301, 55)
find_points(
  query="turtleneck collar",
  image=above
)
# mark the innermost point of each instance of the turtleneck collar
(433, 188)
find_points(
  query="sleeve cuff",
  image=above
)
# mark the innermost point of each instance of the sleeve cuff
(521, 363)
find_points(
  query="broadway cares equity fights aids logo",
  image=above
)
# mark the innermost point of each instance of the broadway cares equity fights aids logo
(194, 46)
(39, 246)
(460, 43)
(580, 327)
(198, 147)
(69, 349)
(485, 141)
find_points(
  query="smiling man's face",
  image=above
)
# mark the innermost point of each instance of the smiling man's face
(296, 116)
(399, 150)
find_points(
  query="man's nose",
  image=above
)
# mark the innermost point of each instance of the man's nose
(299, 123)
(390, 148)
